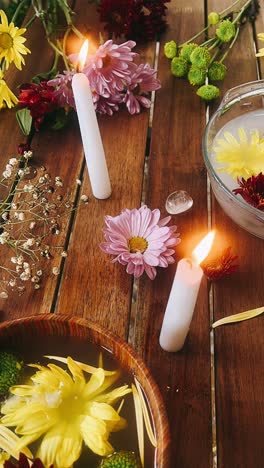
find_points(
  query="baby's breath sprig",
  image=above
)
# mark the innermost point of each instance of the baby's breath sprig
(32, 214)
(202, 64)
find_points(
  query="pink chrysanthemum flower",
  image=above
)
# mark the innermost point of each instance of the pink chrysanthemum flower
(110, 67)
(63, 88)
(140, 240)
(143, 81)
(106, 105)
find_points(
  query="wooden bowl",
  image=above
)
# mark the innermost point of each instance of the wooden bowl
(50, 325)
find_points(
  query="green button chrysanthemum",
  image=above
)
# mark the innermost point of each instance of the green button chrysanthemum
(217, 71)
(196, 76)
(187, 49)
(213, 18)
(226, 31)
(200, 57)
(170, 49)
(179, 67)
(208, 92)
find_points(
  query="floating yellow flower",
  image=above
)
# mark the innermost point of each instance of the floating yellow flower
(7, 98)
(64, 411)
(12, 43)
(242, 157)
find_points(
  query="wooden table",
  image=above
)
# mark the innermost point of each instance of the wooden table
(213, 388)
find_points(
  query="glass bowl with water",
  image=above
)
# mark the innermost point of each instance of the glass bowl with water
(241, 107)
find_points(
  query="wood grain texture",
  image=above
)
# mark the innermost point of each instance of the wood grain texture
(92, 286)
(176, 163)
(238, 355)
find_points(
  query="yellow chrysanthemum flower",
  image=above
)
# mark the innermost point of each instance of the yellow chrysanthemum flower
(7, 98)
(242, 157)
(12, 43)
(65, 410)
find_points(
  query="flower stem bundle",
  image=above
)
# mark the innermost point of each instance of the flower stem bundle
(202, 64)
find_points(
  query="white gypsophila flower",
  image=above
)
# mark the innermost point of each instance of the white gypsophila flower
(14, 206)
(3, 295)
(25, 276)
(20, 172)
(55, 271)
(28, 188)
(5, 216)
(84, 198)
(13, 162)
(4, 237)
(27, 154)
(21, 216)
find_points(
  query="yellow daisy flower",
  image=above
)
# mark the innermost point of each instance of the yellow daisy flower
(12, 43)
(242, 157)
(7, 98)
(65, 411)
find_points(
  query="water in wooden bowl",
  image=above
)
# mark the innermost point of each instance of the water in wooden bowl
(35, 337)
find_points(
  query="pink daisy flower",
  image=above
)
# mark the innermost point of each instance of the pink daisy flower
(140, 240)
(63, 88)
(143, 81)
(110, 67)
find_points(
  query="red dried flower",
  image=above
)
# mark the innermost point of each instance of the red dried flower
(252, 190)
(220, 266)
(140, 20)
(39, 99)
(23, 147)
(24, 463)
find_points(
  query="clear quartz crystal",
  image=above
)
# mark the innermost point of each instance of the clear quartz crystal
(178, 202)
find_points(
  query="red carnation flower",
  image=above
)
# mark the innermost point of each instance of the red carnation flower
(140, 20)
(24, 463)
(39, 99)
(252, 190)
(220, 266)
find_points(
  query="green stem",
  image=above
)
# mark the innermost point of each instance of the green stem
(21, 4)
(196, 35)
(77, 32)
(217, 41)
(241, 11)
(54, 47)
(207, 42)
(214, 56)
(30, 21)
(228, 8)
(230, 47)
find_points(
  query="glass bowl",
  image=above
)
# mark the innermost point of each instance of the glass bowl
(245, 103)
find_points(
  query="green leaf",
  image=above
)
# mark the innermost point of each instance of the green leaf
(61, 119)
(24, 120)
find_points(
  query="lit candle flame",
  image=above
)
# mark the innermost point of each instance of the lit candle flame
(83, 55)
(203, 248)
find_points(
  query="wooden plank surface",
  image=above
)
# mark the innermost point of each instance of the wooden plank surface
(102, 290)
(238, 351)
(175, 163)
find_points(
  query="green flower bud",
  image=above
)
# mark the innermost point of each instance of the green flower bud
(200, 57)
(170, 49)
(208, 92)
(226, 31)
(217, 71)
(187, 50)
(213, 18)
(179, 67)
(196, 76)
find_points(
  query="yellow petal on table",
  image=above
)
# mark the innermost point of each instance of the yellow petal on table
(261, 36)
(239, 317)
(260, 53)
(148, 424)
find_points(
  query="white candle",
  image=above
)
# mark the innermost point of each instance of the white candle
(91, 137)
(183, 296)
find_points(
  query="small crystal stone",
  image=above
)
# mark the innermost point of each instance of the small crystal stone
(178, 202)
